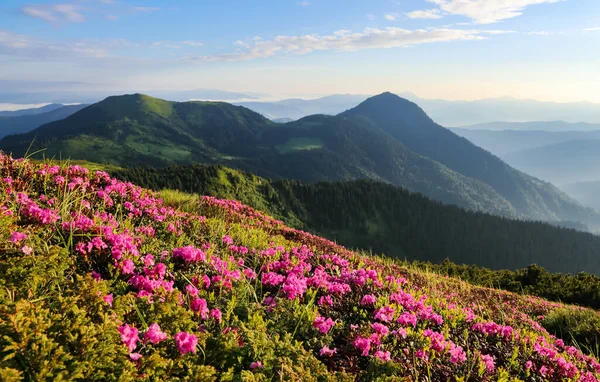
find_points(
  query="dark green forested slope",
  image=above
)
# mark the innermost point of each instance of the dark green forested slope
(389, 219)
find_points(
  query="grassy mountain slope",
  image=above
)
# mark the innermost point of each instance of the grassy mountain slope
(137, 129)
(25, 123)
(408, 123)
(102, 281)
(386, 219)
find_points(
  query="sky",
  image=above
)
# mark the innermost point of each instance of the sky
(450, 49)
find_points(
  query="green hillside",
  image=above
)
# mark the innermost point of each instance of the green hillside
(386, 219)
(141, 130)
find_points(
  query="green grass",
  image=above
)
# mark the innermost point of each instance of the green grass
(300, 144)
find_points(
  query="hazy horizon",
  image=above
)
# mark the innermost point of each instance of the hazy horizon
(436, 49)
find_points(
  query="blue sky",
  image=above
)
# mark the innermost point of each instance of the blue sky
(451, 49)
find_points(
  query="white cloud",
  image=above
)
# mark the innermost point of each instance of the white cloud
(55, 13)
(592, 29)
(540, 33)
(371, 17)
(391, 16)
(343, 40)
(488, 11)
(304, 3)
(425, 14)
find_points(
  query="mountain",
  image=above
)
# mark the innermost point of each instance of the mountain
(409, 124)
(550, 126)
(103, 281)
(137, 129)
(503, 142)
(386, 219)
(31, 111)
(385, 138)
(25, 123)
(561, 163)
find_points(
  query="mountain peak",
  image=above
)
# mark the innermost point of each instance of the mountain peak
(390, 107)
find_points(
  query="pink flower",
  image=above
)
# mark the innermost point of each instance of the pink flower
(380, 329)
(128, 267)
(16, 237)
(27, 250)
(186, 342)
(383, 355)
(129, 336)
(528, 365)
(199, 305)
(154, 334)
(421, 354)
(191, 290)
(250, 274)
(323, 325)
(488, 361)
(327, 352)
(206, 281)
(256, 365)
(407, 319)
(385, 314)
(368, 299)
(216, 314)
(363, 344)
(108, 299)
(135, 356)
(227, 240)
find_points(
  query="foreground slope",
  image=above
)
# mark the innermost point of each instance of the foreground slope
(100, 280)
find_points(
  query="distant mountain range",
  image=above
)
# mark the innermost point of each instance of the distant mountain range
(385, 138)
(29, 119)
(561, 163)
(504, 142)
(31, 111)
(550, 126)
(449, 113)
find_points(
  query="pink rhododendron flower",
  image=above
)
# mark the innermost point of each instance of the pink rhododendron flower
(129, 336)
(323, 325)
(27, 250)
(385, 314)
(227, 240)
(108, 299)
(135, 356)
(186, 342)
(327, 352)
(154, 334)
(363, 344)
(256, 365)
(380, 329)
(488, 361)
(16, 237)
(383, 355)
(216, 314)
(368, 299)
(128, 267)
(199, 305)
(191, 290)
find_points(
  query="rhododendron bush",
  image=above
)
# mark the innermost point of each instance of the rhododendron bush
(100, 280)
